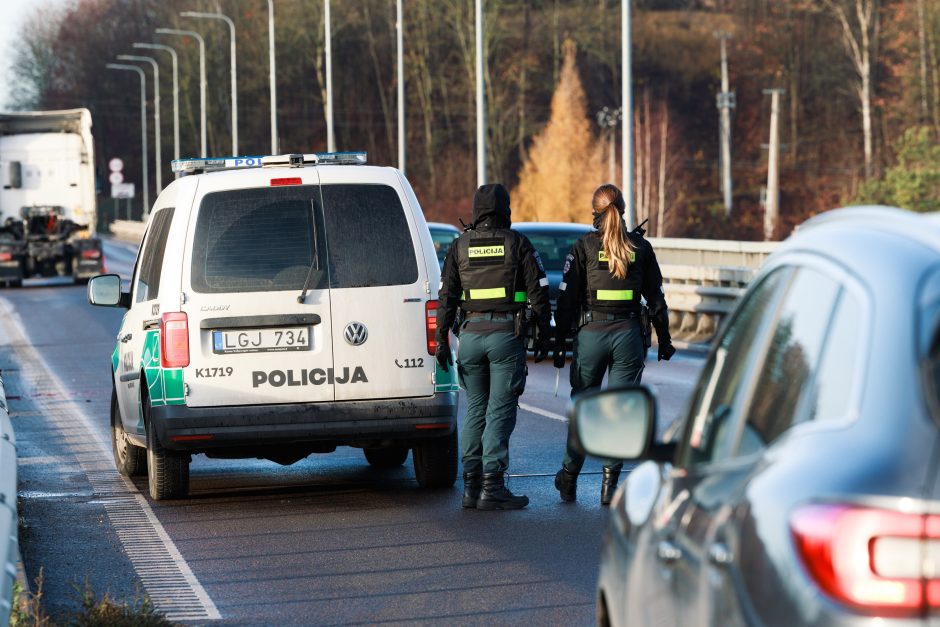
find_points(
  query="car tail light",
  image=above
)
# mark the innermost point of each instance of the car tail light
(875, 560)
(430, 319)
(91, 253)
(293, 180)
(6, 256)
(174, 340)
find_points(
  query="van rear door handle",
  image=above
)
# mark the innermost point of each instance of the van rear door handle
(668, 552)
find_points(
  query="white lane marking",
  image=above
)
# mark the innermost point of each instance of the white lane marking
(166, 576)
(532, 409)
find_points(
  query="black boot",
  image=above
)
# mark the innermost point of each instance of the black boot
(566, 482)
(472, 482)
(496, 496)
(609, 485)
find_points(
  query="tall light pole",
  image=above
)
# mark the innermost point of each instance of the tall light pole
(330, 138)
(157, 157)
(626, 65)
(202, 79)
(234, 72)
(481, 117)
(143, 126)
(726, 102)
(176, 92)
(400, 27)
(271, 75)
(772, 208)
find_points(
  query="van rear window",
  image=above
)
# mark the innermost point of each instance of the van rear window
(368, 237)
(256, 240)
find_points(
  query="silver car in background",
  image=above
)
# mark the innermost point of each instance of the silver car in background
(804, 488)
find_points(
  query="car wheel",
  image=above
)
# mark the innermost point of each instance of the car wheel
(435, 461)
(389, 457)
(130, 459)
(167, 471)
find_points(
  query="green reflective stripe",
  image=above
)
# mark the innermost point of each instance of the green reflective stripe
(486, 251)
(520, 297)
(493, 292)
(614, 294)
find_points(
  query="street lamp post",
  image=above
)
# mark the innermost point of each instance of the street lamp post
(271, 76)
(481, 118)
(143, 126)
(626, 65)
(400, 27)
(234, 72)
(157, 157)
(330, 137)
(176, 92)
(202, 78)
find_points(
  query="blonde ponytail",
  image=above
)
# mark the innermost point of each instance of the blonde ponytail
(608, 203)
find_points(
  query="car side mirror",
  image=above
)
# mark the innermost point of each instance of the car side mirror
(104, 290)
(615, 423)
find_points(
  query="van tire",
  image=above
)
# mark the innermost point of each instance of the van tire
(435, 461)
(388, 457)
(130, 459)
(167, 471)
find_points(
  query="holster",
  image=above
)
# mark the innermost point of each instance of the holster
(646, 326)
(458, 322)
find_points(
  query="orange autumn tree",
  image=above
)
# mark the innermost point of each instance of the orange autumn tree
(564, 164)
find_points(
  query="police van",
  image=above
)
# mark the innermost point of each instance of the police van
(280, 306)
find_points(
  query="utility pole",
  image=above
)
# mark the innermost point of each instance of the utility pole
(400, 27)
(626, 70)
(726, 102)
(772, 208)
(330, 138)
(481, 116)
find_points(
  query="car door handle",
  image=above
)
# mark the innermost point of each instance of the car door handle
(719, 554)
(151, 324)
(123, 339)
(668, 552)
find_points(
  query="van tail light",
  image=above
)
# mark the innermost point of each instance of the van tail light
(874, 560)
(174, 340)
(430, 319)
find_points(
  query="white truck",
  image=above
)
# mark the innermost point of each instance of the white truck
(47, 196)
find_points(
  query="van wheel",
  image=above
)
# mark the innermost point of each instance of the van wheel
(130, 459)
(167, 471)
(435, 461)
(389, 457)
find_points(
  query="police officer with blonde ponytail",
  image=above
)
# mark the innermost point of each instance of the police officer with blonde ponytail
(605, 274)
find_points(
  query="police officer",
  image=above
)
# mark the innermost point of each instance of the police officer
(605, 274)
(490, 272)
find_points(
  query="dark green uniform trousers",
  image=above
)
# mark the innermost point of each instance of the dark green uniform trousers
(599, 347)
(492, 369)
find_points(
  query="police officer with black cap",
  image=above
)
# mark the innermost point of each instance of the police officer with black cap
(605, 274)
(490, 272)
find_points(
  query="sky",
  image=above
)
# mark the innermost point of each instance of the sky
(12, 15)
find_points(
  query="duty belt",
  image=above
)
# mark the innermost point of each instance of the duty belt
(600, 316)
(496, 316)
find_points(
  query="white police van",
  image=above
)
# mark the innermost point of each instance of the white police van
(280, 306)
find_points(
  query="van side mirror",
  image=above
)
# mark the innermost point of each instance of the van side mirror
(615, 423)
(104, 290)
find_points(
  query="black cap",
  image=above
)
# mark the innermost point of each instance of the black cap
(490, 200)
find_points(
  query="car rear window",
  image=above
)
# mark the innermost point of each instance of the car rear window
(368, 237)
(553, 247)
(257, 240)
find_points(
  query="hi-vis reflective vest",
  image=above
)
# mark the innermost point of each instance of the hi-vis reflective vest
(488, 270)
(605, 292)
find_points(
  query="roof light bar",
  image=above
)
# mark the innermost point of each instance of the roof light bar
(182, 167)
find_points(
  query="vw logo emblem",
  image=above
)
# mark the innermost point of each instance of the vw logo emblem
(356, 334)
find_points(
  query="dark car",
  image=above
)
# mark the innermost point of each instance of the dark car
(553, 241)
(443, 235)
(804, 487)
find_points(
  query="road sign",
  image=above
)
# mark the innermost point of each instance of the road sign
(115, 165)
(116, 178)
(122, 190)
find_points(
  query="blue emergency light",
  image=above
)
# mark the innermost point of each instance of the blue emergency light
(182, 167)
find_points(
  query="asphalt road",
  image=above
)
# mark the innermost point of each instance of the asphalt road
(328, 540)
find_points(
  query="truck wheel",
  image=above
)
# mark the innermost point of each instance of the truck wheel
(390, 457)
(435, 461)
(130, 459)
(167, 471)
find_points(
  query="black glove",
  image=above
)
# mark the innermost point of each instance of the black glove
(559, 358)
(666, 351)
(541, 345)
(443, 356)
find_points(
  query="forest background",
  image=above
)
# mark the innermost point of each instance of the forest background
(860, 115)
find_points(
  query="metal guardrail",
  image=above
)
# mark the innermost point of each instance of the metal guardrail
(8, 517)
(712, 252)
